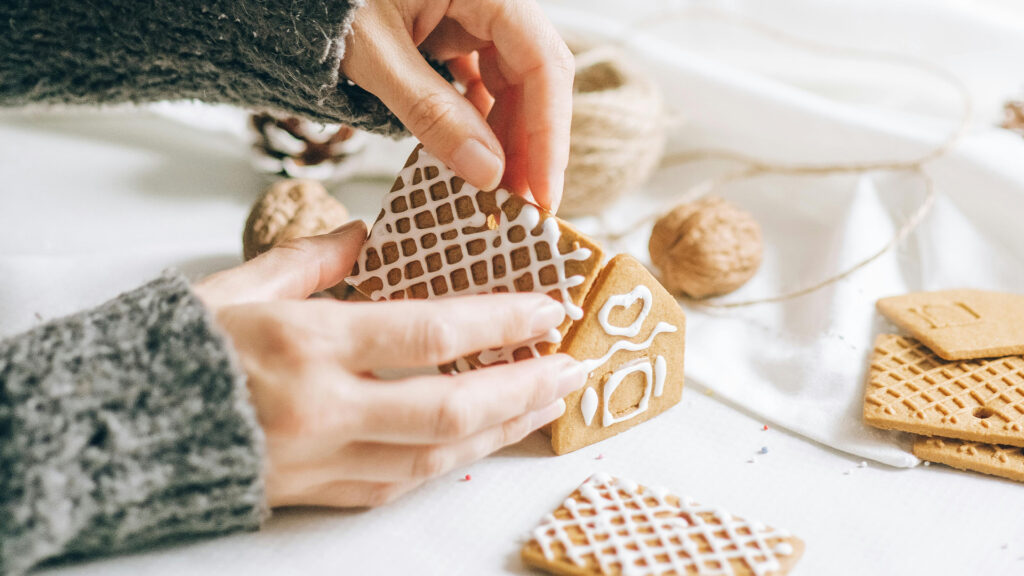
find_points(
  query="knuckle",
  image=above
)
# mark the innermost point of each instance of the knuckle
(429, 114)
(429, 463)
(513, 431)
(382, 494)
(437, 341)
(453, 419)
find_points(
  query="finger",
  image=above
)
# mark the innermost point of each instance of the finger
(450, 40)
(466, 70)
(415, 333)
(449, 126)
(293, 269)
(540, 61)
(410, 463)
(347, 494)
(433, 409)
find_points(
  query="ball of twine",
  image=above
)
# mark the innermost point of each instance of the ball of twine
(618, 132)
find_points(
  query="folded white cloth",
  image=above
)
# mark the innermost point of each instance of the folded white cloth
(801, 364)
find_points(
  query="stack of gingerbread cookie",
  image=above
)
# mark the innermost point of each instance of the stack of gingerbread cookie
(958, 380)
(437, 236)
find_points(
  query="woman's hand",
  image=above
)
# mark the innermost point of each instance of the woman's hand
(338, 436)
(517, 72)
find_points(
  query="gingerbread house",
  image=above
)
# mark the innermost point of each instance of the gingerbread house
(437, 236)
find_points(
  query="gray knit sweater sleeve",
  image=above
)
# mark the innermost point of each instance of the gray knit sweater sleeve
(122, 426)
(282, 54)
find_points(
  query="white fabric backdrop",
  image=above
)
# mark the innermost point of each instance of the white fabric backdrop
(95, 203)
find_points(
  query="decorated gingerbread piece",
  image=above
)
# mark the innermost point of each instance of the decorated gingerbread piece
(616, 526)
(631, 339)
(438, 236)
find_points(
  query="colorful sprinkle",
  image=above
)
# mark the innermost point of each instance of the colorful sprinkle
(927, 463)
(752, 460)
(467, 478)
(862, 464)
(763, 450)
(599, 457)
(765, 429)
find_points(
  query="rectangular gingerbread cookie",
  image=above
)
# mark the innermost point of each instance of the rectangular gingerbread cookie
(961, 324)
(993, 459)
(611, 526)
(911, 389)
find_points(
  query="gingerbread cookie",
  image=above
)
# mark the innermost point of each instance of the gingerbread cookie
(438, 236)
(631, 338)
(610, 526)
(911, 389)
(961, 324)
(993, 459)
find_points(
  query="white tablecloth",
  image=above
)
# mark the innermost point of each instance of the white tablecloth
(95, 203)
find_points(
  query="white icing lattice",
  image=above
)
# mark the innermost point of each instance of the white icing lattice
(637, 531)
(441, 218)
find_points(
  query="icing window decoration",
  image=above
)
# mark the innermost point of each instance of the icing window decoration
(631, 530)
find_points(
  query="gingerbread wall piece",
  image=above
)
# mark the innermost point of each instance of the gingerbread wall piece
(632, 340)
(911, 389)
(615, 526)
(438, 236)
(961, 324)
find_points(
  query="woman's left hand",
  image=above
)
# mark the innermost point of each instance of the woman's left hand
(517, 71)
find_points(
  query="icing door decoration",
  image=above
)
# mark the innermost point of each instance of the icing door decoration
(631, 341)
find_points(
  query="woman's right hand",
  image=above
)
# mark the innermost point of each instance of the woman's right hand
(337, 435)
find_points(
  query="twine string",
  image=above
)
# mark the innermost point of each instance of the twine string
(754, 167)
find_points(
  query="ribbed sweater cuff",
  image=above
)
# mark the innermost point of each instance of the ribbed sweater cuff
(122, 426)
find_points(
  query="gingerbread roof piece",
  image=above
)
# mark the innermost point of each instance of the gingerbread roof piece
(438, 236)
(616, 526)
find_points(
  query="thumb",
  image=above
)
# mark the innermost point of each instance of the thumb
(447, 124)
(292, 270)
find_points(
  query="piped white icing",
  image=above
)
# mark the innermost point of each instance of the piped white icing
(660, 368)
(594, 363)
(385, 230)
(588, 405)
(642, 365)
(636, 532)
(626, 300)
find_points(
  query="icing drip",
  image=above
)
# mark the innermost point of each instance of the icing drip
(594, 363)
(639, 365)
(588, 405)
(626, 300)
(636, 532)
(463, 229)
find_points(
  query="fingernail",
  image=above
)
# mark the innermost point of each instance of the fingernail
(572, 377)
(546, 316)
(349, 227)
(547, 414)
(477, 164)
(556, 186)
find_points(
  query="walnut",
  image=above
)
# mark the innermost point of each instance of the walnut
(706, 248)
(292, 209)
